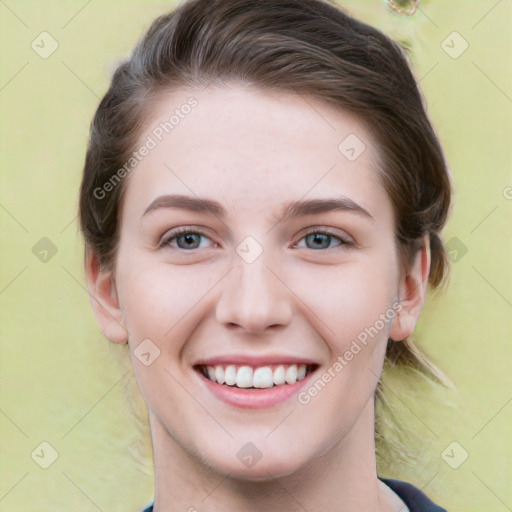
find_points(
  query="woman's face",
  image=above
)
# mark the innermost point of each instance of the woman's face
(289, 265)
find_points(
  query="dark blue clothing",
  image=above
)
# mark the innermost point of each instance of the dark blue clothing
(415, 500)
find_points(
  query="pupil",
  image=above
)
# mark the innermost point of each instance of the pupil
(319, 238)
(188, 238)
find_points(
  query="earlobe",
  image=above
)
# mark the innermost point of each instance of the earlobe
(104, 300)
(413, 290)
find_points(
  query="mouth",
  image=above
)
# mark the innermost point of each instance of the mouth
(248, 377)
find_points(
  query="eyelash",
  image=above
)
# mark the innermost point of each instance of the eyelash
(172, 235)
(327, 232)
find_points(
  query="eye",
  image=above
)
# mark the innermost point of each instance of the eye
(184, 238)
(321, 239)
(188, 239)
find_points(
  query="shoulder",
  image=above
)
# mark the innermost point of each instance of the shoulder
(149, 508)
(415, 499)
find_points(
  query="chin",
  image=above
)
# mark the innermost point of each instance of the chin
(267, 468)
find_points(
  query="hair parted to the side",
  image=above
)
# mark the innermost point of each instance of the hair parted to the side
(308, 47)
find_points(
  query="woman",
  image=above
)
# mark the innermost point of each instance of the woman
(262, 202)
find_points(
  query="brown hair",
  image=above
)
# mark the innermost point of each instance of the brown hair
(308, 47)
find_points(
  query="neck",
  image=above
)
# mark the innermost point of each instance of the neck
(343, 479)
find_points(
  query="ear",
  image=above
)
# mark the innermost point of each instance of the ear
(104, 300)
(412, 293)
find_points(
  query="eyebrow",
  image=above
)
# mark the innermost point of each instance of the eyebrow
(291, 210)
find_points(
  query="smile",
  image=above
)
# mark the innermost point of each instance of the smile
(254, 383)
(259, 377)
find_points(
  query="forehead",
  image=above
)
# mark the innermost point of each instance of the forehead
(254, 150)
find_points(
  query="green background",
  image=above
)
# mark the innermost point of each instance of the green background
(62, 383)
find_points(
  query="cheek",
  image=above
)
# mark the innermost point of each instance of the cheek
(345, 299)
(157, 301)
(161, 304)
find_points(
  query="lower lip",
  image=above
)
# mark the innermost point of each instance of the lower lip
(254, 398)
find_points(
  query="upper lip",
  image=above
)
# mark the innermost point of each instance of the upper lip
(253, 360)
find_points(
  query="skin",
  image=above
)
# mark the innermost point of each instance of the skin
(254, 152)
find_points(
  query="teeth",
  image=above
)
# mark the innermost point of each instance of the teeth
(230, 375)
(219, 375)
(262, 377)
(279, 375)
(244, 377)
(291, 374)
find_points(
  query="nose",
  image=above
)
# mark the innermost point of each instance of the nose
(253, 298)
